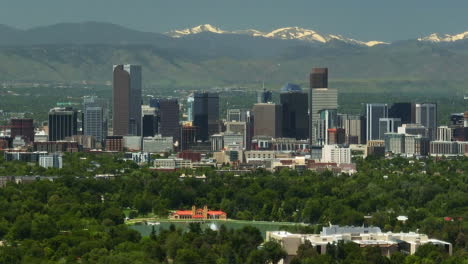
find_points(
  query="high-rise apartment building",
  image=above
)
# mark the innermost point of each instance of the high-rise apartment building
(127, 100)
(95, 118)
(169, 118)
(267, 120)
(206, 114)
(388, 125)
(426, 115)
(63, 122)
(373, 114)
(295, 117)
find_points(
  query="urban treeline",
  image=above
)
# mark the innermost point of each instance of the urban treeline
(79, 219)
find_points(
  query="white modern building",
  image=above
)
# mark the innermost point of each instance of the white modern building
(388, 243)
(444, 133)
(51, 161)
(336, 154)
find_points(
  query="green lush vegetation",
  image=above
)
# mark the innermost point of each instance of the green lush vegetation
(78, 218)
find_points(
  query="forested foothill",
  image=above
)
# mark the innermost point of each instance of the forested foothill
(78, 218)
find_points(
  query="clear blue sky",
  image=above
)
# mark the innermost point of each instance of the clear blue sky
(386, 20)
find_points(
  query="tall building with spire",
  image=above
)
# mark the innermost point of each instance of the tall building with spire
(126, 100)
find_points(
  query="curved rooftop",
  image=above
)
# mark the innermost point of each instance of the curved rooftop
(291, 87)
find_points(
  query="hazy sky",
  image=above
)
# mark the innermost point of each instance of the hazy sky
(386, 20)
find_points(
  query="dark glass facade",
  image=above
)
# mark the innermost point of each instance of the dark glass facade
(23, 127)
(295, 117)
(206, 114)
(264, 97)
(63, 122)
(404, 111)
(169, 118)
(150, 127)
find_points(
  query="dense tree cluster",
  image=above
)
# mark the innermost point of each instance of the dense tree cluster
(80, 218)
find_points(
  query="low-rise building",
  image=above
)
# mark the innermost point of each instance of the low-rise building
(198, 214)
(172, 164)
(51, 161)
(388, 242)
(158, 144)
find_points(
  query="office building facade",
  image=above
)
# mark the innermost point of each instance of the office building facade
(236, 115)
(355, 128)
(127, 85)
(295, 117)
(95, 114)
(150, 121)
(405, 111)
(63, 122)
(373, 114)
(169, 125)
(322, 98)
(426, 115)
(23, 127)
(268, 120)
(206, 114)
(388, 125)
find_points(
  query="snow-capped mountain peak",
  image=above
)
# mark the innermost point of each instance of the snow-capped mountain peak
(436, 38)
(296, 33)
(195, 30)
(287, 33)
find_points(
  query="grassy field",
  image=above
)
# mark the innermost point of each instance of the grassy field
(145, 229)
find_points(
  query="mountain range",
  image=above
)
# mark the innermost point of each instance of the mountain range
(206, 56)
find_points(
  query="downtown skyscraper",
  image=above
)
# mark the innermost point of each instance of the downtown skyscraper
(374, 112)
(294, 106)
(169, 118)
(127, 83)
(206, 114)
(95, 117)
(63, 122)
(320, 97)
(426, 115)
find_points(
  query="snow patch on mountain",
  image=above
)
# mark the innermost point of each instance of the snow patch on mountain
(437, 38)
(288, 33)
(195, 30)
